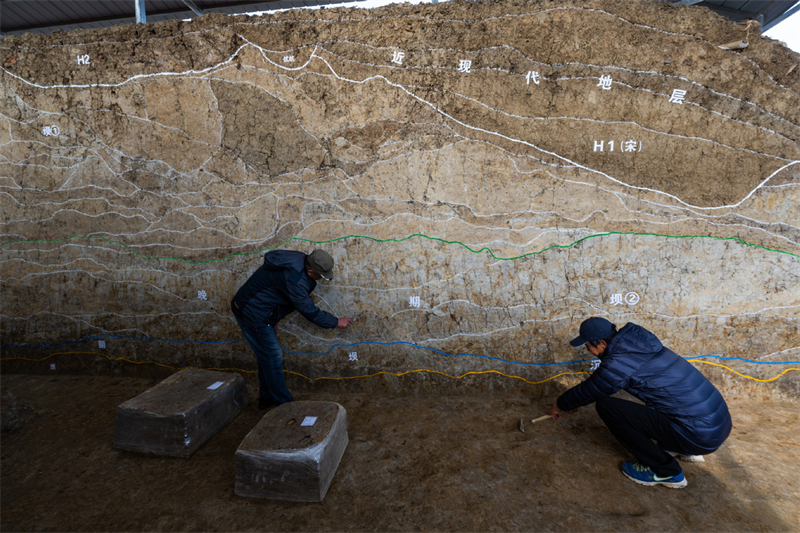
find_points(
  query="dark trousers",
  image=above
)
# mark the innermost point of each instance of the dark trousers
(635, 426)
(269, 355)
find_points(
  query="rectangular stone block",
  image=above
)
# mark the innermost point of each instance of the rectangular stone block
(179, 414)
(293, 452)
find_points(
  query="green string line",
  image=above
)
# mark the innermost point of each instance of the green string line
(484, 249)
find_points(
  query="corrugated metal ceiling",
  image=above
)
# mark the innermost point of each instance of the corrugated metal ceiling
(767, 12)
(44, 16)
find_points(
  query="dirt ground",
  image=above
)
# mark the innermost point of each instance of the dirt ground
(428, 462)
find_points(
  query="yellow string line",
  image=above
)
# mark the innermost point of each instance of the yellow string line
(127, 361)
(295, 373)
(748, 377)
(436, 372)
(382, 372)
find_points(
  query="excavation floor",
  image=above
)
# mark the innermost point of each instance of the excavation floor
(451, 462)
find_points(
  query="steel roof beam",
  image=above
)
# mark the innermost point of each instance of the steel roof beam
(141, 14)
(191, 5)
(777, 20)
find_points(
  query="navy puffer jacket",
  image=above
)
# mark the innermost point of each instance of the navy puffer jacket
(635, 360)
(277, 288)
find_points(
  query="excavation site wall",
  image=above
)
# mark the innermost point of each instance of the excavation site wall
(486, 175)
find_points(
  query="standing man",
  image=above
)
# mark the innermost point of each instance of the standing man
(683, 412)
(282, 284)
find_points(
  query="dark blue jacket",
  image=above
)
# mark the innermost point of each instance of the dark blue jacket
(277, 288)
(635, 360)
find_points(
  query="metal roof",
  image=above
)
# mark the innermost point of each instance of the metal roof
(767, 12)
(44, 16)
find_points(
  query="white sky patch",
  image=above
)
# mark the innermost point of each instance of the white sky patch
(787, 31)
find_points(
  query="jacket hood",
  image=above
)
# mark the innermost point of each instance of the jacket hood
(280, 259)
(633, 338)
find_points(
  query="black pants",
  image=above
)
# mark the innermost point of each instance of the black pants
(635, 426)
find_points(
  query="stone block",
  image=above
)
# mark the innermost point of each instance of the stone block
(285, 458)
(179, 414)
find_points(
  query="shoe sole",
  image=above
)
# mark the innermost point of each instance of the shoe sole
(670, 484)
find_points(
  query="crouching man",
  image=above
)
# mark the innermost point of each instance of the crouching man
(282, 284)
(684, 413)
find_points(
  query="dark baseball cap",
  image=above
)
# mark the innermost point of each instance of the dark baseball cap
(593, 329)
(321, 263)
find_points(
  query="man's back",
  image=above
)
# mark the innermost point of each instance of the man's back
(276, 289)
(670, 384)
(635, 360)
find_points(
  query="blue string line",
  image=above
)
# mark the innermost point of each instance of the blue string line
(745, 360)
(386, 344)
(437, 351)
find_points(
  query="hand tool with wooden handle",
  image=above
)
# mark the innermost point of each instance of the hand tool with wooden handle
(522, 422)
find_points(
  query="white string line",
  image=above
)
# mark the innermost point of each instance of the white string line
(335, 76)
(505, 137)
(699, 216)
(517, 213)
(556, 65)
(350, 287)
(82, 318)
(458, 302)
(52, 217)
(500, 148)
(780, 352)
(262, 51)
(76, 147)
(541, 232)
(424, 18)
(124, 274)
(24, 162)
(306, 336)
(112, 270)
(137, 118)
(493, 214)
(100, 199)
(634, 71)
(142, 316)
(427, 88)
(112, 281)
(130, 80)
(784, 185)
(455, 303)
(517, 326)
(479, 129)
(628, 122)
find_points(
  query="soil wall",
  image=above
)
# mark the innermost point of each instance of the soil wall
(485, 174)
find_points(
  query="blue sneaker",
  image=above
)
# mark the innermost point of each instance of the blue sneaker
(643, 475)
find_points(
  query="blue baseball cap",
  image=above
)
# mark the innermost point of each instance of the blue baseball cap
(593, 329)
